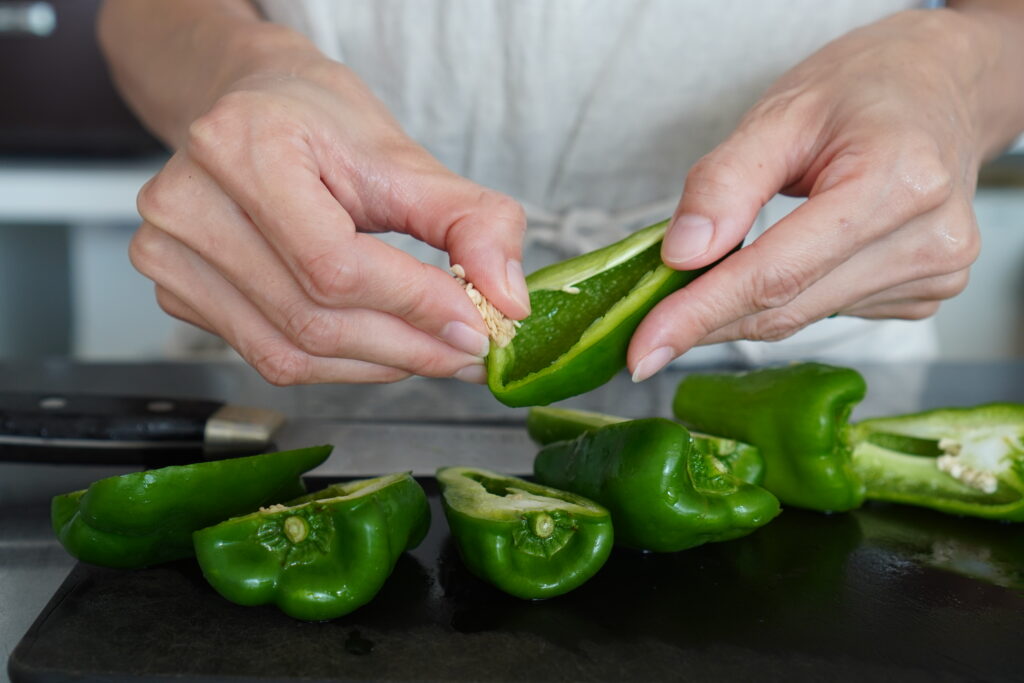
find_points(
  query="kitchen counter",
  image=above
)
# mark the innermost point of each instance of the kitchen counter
(32, 565)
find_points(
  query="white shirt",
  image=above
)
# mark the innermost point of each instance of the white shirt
(590, 112)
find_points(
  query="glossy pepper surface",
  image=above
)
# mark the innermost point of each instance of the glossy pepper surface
(964, 461)
(584, 312)
(528, 540)
(546, 425)
(796, 415)
(321, 556)
(144, 518)
(663, 492)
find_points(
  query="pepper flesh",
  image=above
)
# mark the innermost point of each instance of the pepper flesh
(322, 555)
(528, 540)
(546, 425)
(663, 492)
(796, 415)
(964, 461)
(584, 311)
(144, 518)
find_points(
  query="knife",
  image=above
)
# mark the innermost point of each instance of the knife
(94, 429)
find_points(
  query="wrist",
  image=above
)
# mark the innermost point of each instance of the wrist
(992, 48)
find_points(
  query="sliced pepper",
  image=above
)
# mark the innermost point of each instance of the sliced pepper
(528, 540)
(796, 415)
(663, 492)
(584, 311)
(144, 518)
(321, 556)
(547, 425)
(964, 461)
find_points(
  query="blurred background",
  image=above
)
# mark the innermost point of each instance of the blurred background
(72, 159)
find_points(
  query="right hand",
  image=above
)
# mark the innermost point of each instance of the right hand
(253, 231)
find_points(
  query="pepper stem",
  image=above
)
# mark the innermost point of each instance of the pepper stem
(296, 529)
(542, 525)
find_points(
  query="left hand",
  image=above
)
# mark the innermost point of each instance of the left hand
(883, 130)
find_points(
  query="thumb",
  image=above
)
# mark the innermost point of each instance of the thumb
(723, 193)
(482, 231)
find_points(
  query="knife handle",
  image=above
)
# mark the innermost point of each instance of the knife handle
(127, 430)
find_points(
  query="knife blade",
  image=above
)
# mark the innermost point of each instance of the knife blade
(95, 429)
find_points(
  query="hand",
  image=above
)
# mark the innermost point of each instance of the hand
(883, 131)
(254, 231)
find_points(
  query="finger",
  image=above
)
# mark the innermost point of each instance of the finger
(281, 191)
(481, 230)
(869, 285)
(812, 241)
(232, 316)
(177, 308)
(725, 190)
(202, 217)
(905, 301)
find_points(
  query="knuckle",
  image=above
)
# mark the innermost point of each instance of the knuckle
(775, 284)
(147, 250)
(925, 179)
(714, 175)
(946, 287)
(224, 122)
(773, 325)
(169, 304)
(918, 310)
(157, 199)
(953, 243)
(279, 365)
(316, 331)
(331, 279)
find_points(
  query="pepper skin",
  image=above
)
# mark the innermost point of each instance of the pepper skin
(963, 461)
(144, 518)
(528, 540)
(546, 425)
(663, 492)
(796, 415)
(321, 556)
(584, 312)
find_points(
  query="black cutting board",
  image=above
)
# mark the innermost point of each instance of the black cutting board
(885, 593)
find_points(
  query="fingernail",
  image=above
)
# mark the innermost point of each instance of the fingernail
(687, 238)
(516, 284)
(465, 338)
(474, 374)
(652, 362)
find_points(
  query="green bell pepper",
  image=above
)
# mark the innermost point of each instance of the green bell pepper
(322, 555)
(964, 461)
(547, 425)
(796, 415)
(663, 492)
(528, 540)
(144, 518)
(584, 312)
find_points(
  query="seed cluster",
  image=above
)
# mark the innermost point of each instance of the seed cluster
(500, 329)
(950, 464)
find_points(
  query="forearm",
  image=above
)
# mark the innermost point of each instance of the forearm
(172, 60)
(998, 30)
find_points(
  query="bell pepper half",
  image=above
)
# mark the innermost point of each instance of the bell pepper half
(546, 425)
(664, 493)
(528, 540)
(584, 312)
(322, 555)
(796, 415)
(964, 461)
(144, 518)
